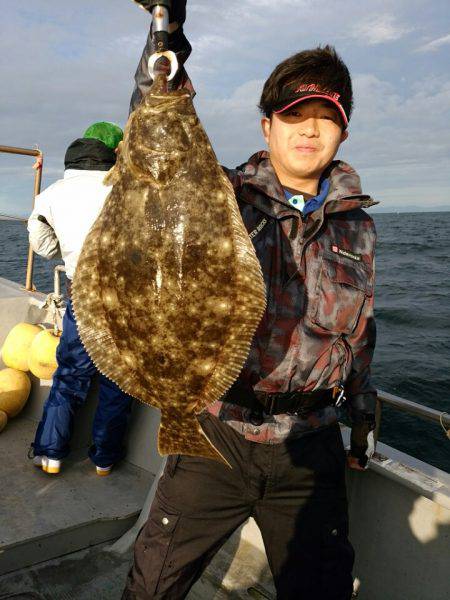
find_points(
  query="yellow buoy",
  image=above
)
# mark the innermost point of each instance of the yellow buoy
(3, 420)
(42, 357)
(17, 345)
(15, 388)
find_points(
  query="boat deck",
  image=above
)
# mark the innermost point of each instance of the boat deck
(84, 575)
(51, 514)
(98, 573)
(55, 531)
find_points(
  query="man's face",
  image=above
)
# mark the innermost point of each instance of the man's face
(304, 140)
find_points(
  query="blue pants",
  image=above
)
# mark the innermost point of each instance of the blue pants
(71, 383)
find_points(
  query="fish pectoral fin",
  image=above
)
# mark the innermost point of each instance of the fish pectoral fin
(182, 434)
(112, 176)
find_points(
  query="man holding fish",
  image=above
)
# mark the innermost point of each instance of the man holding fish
(277, 426)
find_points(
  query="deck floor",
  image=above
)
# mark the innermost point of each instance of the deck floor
(92, 573)
(42, 513)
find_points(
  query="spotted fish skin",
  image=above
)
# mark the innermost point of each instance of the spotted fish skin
(168, 291)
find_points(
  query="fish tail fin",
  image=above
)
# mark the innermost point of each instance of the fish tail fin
(185, 436)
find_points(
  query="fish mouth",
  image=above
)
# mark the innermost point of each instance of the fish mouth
(175, 153)
(162, 102)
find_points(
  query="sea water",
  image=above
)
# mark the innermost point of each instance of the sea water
(412, 311)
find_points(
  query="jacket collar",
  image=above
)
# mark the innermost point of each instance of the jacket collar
(69, 173)
(344, 192)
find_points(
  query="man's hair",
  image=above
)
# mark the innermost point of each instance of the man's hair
(322, 66)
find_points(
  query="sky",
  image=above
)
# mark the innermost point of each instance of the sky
(67, 64)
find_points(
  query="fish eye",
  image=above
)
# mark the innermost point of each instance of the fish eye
(192, 119)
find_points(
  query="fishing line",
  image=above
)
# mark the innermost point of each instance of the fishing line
(447, 431)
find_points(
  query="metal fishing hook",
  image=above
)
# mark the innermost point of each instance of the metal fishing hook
(160, 28)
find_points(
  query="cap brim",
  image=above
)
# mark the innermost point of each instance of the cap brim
(315, 97)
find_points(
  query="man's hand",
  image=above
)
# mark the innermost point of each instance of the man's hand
(177, 12)
(362, 442)
(354, 463)
(38, 164)
(145, 4)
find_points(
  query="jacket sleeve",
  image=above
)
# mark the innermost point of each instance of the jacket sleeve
(235, 177)
(359, 390)
(179, 44)
(41, 234)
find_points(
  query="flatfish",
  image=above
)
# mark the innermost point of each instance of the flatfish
(168, 291)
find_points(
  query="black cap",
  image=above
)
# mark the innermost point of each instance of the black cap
(291, 96)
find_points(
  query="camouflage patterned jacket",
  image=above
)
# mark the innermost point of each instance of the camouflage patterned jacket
(319, 327)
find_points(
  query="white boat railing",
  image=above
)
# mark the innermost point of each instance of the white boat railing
(413, 408)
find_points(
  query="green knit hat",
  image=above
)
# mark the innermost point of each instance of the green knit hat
(108, 133)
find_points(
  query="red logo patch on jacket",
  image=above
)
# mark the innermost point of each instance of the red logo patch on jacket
(346, 253)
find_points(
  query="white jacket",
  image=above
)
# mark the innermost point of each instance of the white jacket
(70, 207)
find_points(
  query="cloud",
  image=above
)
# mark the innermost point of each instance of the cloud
(379, 29)
(397, 142)
(207, 42)
(399, 128)
(232, 123)
(78, 62)
(435, 44)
